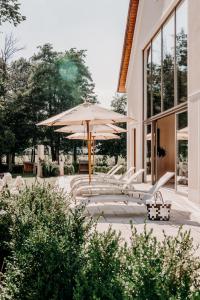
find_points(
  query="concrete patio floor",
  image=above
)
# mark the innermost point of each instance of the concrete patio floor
(119, 215)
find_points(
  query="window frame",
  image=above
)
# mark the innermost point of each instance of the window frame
(145, 50)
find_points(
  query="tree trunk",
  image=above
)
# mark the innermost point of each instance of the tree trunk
(33, 155)
(13, 158)
(53, 153)
(75, 154)
(10, 162)
(57, 149)
(57, 154)
(116, 159)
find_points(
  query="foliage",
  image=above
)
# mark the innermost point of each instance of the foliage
(161, 270)
(48, 241)
(69, 170)
(116, 148)
(9, 12)
(55, 252)
(100, 279)
(50, 169)
(101, 169)
(35, 89)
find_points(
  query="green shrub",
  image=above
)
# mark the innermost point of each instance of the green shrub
(161, 270)
(69, 170)
(101, 169)
(76, 166)
(53, 252)
(5, 234)
(47, 244)
(100, 279)
(50, 169)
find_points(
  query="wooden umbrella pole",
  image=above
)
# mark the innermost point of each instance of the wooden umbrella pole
(89, 150)
(93, 150)
(91, 141)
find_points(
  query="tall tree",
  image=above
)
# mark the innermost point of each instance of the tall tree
(59, 82)
(10, 12)
(116, 148)
(36, 89)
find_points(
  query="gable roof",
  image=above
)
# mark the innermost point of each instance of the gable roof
(128, 40)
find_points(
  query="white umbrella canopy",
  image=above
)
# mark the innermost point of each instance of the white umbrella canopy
(86, 112)
(182, 134)
(107, 128)
(94, 136)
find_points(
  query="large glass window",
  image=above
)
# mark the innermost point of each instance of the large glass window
(182, 152)
(168, 63)
(181, 51)
(149, 82)
(156, 74)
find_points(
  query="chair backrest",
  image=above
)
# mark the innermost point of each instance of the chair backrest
(127, 173)
(7, 178)
(115, 170)
(19, 182)
(161, 182)
(2, 184)
(111, 170)
(133, 177)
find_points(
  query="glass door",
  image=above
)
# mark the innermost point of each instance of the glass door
(148, 153)
(182, 152)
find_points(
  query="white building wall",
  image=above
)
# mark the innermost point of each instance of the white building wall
(194, 99)
(151, 14)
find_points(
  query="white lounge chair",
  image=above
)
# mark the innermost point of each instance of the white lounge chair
(7, 178)
(2, 184)
(18, 185)
(104, 180)
(110, 174)
(143, 195)
(132, 194)
(116, 188)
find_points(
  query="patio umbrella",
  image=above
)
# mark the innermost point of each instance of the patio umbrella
(86, 114)
(182, 134)
(94, 136)
(107, 128)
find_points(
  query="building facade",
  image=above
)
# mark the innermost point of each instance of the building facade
(160, 72)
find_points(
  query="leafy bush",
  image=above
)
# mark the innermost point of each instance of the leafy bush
(161, 270)
(47, 244)
(50, 169)
(17, 169)
(55, 252)
(69, 170)
(101, 169)
(5, 235)
(101, 161)
(76, 166)
(100, 279)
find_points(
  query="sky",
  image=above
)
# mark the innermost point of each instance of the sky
(97, 26)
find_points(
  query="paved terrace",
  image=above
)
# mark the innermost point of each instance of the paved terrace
(118, 214)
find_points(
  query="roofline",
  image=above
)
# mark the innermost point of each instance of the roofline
(128, 41)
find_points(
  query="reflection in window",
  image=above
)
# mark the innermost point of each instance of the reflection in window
(148, 153)
(182, 152)
(181, 51)
(156, 74)
(168, 64)
(149, 83)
